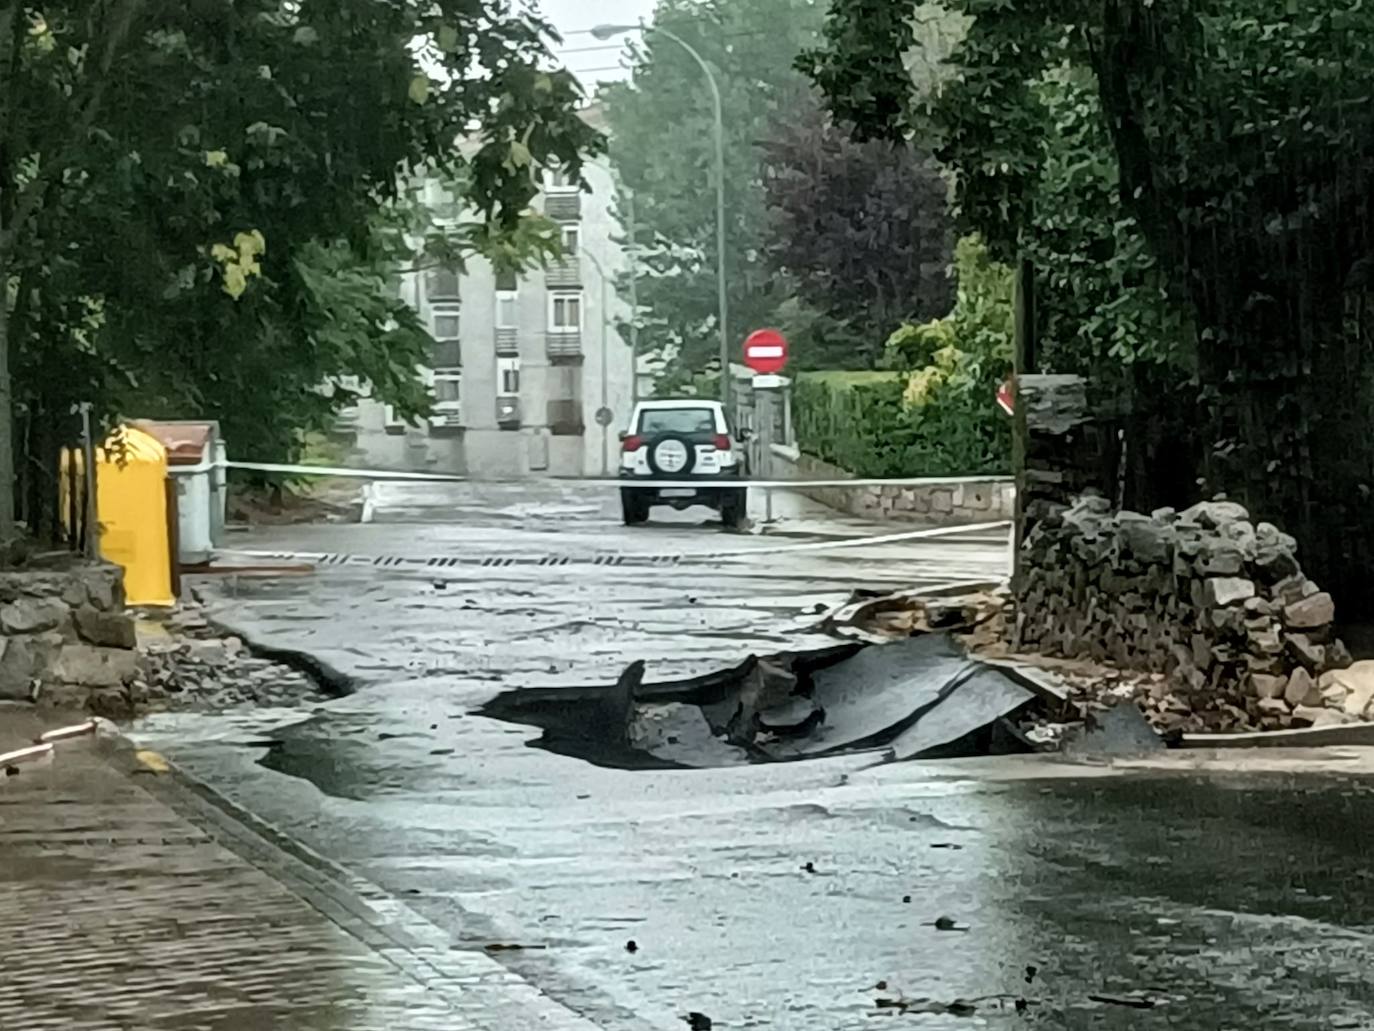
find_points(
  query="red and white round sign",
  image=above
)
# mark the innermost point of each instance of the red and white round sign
(765, 351)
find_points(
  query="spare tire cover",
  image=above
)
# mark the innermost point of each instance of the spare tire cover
(672, 456)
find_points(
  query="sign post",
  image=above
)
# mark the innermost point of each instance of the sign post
(765, 352)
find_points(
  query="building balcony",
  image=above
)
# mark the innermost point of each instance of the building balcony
(565, 418)
(564, 348)
(563, 274)
(508, 412)
(563, 207)
(508, 342)
(447, 416)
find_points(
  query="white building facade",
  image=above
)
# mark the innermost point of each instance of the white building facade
(521, 367)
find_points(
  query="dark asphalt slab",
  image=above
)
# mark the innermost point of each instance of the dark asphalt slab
(777, 895)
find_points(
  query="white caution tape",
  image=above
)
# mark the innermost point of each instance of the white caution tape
(321, 558)
(598, 481)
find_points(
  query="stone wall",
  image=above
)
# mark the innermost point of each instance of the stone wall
(65, 639)
(1218, 603)
(940, 501)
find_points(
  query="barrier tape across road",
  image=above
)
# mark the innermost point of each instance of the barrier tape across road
(599, 481)
(625, 559)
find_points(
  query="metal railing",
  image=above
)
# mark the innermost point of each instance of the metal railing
(563, 345)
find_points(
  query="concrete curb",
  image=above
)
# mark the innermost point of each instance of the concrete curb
(1298, 737)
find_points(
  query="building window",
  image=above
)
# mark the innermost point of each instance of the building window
(508, 370)
(506, 310)
(447, 389)
(441, 284)
(557, 180)
(572, 240)
(565, 312)
(507, 281)
(445, 325)
(391, 422)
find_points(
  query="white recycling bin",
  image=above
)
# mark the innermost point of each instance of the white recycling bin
(193, 450)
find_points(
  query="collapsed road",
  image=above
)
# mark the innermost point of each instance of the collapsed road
(918, 698)
(777, 894)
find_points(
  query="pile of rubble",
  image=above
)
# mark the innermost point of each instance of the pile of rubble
(191, 667)
(1212, 604)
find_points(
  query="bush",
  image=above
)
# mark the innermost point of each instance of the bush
(863, 423)
(935, 413)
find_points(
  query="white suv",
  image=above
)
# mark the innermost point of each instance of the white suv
(686, 442)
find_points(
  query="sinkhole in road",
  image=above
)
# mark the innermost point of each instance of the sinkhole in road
(920, 697)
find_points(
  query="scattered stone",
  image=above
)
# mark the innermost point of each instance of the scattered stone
(1303, 649)
(1222, 591)
(1302, 690)
(1273, 707)
(1265, 686)
(105, 629)
(1316, 610)
(32, 616)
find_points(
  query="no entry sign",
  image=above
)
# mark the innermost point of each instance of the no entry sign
(1006, 396)
(765, 351)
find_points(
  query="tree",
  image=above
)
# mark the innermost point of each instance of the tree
(182, 185)
(660, 130)
(861, 228)
(1241, 138)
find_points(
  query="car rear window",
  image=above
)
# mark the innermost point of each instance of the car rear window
(654, 421)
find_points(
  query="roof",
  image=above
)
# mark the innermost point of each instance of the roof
(681, 402)
(185, 442)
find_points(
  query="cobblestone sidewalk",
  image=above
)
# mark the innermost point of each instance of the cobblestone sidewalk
(118, 912)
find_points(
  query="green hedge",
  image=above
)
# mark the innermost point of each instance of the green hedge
(860, 422)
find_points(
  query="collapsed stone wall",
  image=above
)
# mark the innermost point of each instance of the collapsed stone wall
(65, 638)
(1208, 597)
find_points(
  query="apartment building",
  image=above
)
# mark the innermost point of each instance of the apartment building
(522, 367)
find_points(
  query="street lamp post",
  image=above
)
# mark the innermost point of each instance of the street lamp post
(604, 32)
(605, 363)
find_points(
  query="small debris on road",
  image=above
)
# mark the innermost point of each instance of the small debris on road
(11, 771)
(809, 866)
(698, 1021)
(441, 751)
(1031, 971)
(946, 844)
(500, 947)
(1135, 1002)
(906, 899)
(944, 923)
(632, 946)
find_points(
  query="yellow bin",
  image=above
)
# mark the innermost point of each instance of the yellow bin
(131, 504)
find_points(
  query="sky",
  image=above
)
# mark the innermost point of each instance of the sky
(573, 19)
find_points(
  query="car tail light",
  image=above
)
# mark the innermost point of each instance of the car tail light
(722, 442)
(632, 443)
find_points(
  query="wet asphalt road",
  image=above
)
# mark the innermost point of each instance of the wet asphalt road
(1234, 898)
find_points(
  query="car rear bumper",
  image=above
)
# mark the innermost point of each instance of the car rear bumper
(709, 489)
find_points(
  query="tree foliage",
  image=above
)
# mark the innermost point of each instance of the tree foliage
(934, 414)
(198, 202)
(661, 133)
(861, 229)
(1238, 138)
